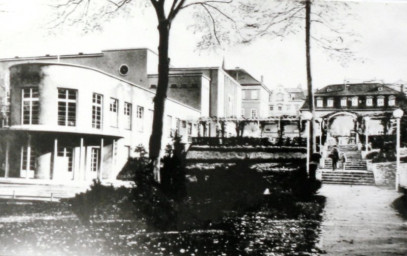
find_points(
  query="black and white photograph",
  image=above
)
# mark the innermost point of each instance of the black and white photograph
(203, 127)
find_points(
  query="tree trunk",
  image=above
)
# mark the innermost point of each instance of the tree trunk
(160, 98)
(309, 77)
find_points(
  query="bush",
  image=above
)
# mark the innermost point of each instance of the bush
(101, 202)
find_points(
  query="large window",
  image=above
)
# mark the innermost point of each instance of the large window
(254, 94)
(253, 113)
(66, 152)
(67, 107)
(392, 100)
(355, 101)
(30, 106)
(94, 160)
(380, 101)
(330, 102)
(140, 118)
(28, 156)
(127, 115)
(114, 112)
(369, 101)
(97, 103)
(320, 102)
(344, 102)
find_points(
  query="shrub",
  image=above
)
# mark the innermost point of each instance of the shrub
(101, 202)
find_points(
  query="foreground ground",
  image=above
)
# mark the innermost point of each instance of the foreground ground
(51, 229)
(363, 220)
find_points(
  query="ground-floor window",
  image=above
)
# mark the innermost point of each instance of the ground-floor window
(28, 156)
(66, 152)
(94, 160)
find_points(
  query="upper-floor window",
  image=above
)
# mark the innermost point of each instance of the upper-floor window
(140, 118)
(392, 100)
(280, 107)
(67, 107)
(114, 112)
(320, 102)
(344, 102)
(30, 106)
(254, 94)
(271, 108)
(369, 101)
(253, 113)
(97, 111)
(330, 102)
(127, 115)
(280, 96)
(355, 101)
(380, 101)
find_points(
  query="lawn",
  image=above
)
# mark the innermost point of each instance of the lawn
(38, 228)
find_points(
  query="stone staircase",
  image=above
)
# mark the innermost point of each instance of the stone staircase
(355, 171)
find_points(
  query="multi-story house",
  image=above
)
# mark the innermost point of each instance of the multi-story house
(255, 94)
(347, 113)
(286, 101)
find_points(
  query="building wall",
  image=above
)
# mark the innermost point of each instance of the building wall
(49, 77)
(190, 89)
(281, 103)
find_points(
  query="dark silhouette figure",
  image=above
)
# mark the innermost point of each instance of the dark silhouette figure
(335, 157)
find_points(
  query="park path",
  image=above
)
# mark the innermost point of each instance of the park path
(362, 220)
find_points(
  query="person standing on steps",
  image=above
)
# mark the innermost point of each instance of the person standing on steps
(343, 159)
(335, 157)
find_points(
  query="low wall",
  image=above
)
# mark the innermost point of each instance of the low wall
(264, 157)
(385, 173)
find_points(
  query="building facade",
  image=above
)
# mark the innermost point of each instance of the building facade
(255, 94)
(75, 123)
(350, 113)
(285, 101)
(80, 117)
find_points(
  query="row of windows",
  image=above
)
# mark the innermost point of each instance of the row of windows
(354, 101)
(287, 107)
(67, 101)
(154, 86)
(251, 94)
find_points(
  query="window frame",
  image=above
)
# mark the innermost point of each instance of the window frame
(95, 107)
(30, 100)
(67, 102)
(114, 112)
(140, 114)
(127, 113)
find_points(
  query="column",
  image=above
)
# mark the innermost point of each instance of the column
(55, 155)
(6, 163)
(99, 176)
(82, 157)
(114, 153)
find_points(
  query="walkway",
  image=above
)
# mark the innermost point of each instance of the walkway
(360, 220)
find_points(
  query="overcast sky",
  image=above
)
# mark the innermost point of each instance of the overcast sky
(381, 52)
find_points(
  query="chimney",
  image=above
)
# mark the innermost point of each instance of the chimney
(402, 88)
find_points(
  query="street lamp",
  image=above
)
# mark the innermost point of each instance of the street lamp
(307, 116)
(398, 113)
